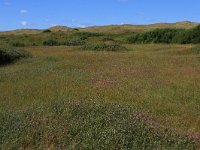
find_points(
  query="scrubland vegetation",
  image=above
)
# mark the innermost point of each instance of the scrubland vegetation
(170, 35)
(77, 38)
(92, 90)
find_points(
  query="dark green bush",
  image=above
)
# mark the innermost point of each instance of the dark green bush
(180, 36)
(9, 55)
(76, 29)
(155, 36)
(51, 43)
(47, 31)
(188, 36)
(103, 47)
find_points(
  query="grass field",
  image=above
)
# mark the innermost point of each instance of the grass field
(145, 98)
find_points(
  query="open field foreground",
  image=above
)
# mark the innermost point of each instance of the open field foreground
(146, 97)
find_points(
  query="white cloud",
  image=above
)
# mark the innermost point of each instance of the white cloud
(23, 11)
(24, 23)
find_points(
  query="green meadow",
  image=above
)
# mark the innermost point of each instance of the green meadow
(145, 96)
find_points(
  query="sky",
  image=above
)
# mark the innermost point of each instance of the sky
(42, 14)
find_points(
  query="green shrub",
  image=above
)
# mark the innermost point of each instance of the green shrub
(180, 36)
(74, 42)
(155, 36)
(47, 31)
(76, 29)
(9, 55)
(195, 35)
(188, 36)
(103, 47)
(50, 43)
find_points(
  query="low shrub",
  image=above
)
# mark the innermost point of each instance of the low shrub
(9, 55)
(74, 42)
(47, 31)
(50, 43)
(103, 47)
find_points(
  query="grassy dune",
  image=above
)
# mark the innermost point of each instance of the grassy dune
(138, 28)
(144, 98)
(108, 29)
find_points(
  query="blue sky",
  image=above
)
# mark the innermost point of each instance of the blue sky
(17, 14)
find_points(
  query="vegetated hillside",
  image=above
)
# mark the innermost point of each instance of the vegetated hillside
(109, 28)
(61, 28)
(21, 32)
(114, 36)
(138, 28)
(60, 35)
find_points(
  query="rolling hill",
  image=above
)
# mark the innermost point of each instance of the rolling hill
(108, 29)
